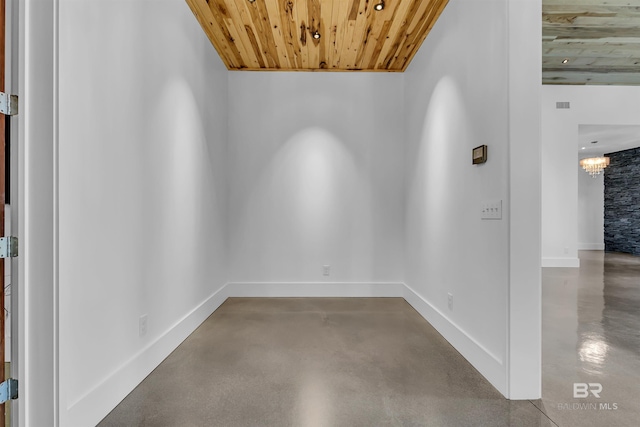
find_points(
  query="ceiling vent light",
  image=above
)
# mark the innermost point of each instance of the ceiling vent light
(565, 61)
(379, 6)
(316, 35)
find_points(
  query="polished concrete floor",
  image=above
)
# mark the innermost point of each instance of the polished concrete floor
(591, 334)
(318, 362)
(376, 362)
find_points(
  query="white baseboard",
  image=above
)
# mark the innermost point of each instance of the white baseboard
(314, 289)
(89, 409)
(489, 365)
(99, 401)
(591, 246)
(561, 262)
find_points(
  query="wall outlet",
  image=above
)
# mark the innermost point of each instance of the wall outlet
(566, 251)
(142, 325)
(326, 270)
(450, 301)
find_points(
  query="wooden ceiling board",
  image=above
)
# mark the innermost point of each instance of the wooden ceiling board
(600, 41)
(418, 34)
(278, 34)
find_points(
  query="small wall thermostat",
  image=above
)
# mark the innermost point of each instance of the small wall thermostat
(479, 154)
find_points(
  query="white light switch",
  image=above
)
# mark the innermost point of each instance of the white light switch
(491, 210)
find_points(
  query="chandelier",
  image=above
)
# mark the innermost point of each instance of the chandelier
(594, 165)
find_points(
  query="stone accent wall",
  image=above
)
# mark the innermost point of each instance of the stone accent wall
(622, 202)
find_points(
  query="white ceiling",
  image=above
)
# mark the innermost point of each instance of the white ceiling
(611, 138)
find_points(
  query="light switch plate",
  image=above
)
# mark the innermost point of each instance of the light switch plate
(491, 210)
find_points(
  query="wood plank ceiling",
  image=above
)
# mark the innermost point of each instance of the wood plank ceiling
(591, 42)
(317, 35)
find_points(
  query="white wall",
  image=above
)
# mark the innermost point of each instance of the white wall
(525, 282)
(590, 211)
(315, 164)
(142, 193)
(451, 108)
(590, 105)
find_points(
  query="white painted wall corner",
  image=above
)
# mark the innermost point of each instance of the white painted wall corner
(106, 395)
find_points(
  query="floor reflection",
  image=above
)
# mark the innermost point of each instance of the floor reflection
(591, 337)
(620, 317)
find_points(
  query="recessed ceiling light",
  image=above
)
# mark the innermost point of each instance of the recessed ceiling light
(584, 148)
(316, 35)
(379, 6)
(565, 60)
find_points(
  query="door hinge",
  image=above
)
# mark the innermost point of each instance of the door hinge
(8, 247)
(8, 104)
(8, 390)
